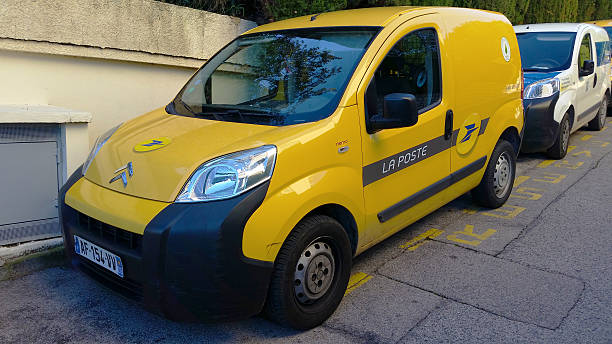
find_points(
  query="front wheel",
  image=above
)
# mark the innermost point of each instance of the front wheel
(599, 121)
(496, 184)
(311, 273)
(559, 148)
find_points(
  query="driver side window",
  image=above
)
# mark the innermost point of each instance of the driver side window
(585, 53)
(412, 66)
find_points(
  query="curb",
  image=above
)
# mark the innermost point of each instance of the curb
(22, 260)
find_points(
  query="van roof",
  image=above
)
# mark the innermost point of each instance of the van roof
(373, 16)
(604, 22)
(549, 27)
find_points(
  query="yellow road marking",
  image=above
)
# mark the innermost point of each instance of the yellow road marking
(585, 152)
(505, 212)
(520, 180)
(357, 279)
(469, 231)
(566, 164)
(419, 239)
(586, 137)
(603, 143)
(553, 178)
(525, 193)
(570, 148)
(546, 163)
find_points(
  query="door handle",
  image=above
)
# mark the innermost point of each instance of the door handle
(448, 125)
(595, 80)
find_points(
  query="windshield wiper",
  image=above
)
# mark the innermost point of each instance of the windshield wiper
(236, 110)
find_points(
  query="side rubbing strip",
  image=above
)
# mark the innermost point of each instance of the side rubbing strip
(401, 160)
(483, 126)
(482, 129)
(431, 190)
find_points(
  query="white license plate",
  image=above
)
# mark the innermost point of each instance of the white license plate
(98, 255)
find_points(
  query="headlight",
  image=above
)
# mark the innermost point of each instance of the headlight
(97, 146)
(542, 89)
(229, 175)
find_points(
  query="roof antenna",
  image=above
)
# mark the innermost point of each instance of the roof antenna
(313, 18)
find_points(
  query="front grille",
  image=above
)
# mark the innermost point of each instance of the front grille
(123, 238)
(124, 286)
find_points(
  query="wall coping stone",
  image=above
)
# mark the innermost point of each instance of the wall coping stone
(24, 113)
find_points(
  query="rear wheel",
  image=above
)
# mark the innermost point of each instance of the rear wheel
(599, 121)
(559, 149)
(311, 273)
(496, 184)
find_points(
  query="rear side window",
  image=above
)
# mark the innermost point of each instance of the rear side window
(585, 50)
(411, 66)
(602, 50)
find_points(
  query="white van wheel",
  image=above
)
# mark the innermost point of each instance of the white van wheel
(311, 273)
(599, 121)
(559, 149)
(496, 184)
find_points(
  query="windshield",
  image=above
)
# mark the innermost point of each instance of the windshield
(276, 78)
(546, 51)
(609, 31)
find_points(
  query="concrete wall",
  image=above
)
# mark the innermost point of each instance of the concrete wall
(114, 59)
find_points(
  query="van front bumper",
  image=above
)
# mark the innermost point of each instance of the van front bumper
(188, 265)
(541, 129)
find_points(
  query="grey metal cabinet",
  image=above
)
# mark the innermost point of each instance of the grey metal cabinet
(29, 181)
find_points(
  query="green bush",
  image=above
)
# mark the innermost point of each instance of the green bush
(283, 9)
(517, 11)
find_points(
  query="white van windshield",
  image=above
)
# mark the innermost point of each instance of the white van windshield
(276, 78)
(546, 51)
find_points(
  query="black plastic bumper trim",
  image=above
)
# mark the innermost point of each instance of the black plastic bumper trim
(431, 190)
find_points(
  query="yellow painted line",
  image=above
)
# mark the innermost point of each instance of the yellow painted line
(356, 280)
(603, 143)
(418, 240)
(520, 180)
(586, 137)
(585, 152)
(546, 163)
(570, 148)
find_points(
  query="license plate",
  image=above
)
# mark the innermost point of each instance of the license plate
(98, 255)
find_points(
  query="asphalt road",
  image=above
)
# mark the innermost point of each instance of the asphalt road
(536, 270)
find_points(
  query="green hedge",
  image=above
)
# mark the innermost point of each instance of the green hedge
(518, 11)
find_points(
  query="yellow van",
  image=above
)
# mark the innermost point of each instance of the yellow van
(295, 148)
(607, 25)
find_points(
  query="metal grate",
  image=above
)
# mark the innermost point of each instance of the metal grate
(28, 231)
(119, 236)
(25, 132)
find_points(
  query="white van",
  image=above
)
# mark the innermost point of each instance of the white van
(567, 83)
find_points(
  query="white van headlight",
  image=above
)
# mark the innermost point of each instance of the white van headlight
(229, 175)
(542, 89)
(100, 141)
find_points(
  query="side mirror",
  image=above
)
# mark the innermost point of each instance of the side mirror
(400, 110)
(588, 67)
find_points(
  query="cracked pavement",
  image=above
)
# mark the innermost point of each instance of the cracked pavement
(536, 270)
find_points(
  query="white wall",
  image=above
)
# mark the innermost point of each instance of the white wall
(113, 91)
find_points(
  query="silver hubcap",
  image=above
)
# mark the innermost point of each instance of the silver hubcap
(565, 135)
(314, 272)
(501, 177)
(603, 112)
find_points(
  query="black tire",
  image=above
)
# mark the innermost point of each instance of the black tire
(559, 149)
(599, 121)
(292, 308)
(486, 193)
